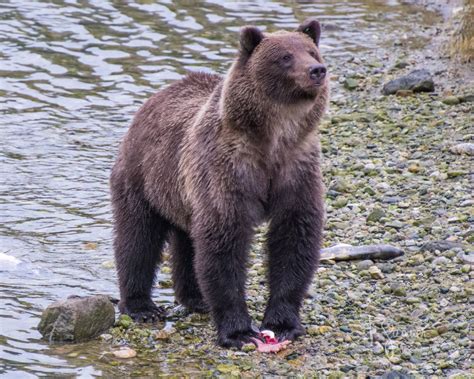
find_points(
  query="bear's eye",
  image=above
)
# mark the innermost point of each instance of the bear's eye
(286, 58)
(312, 53)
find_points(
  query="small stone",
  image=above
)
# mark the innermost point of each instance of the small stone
(395, 359)
(341, 202)
(399, 290)
(165, 334)
(365, 264)
(442, 329)
(124, 321)
(412, 300)
(106, 337)
(324, 329)
(351, 84)
(125, 353)
(466, 269)
(376, 215)
(467, 257)
(340, 185)
(416, 260)
(455, 355)
(165, 284)
(227, 368)
(463, 148)
(375, 273)
(451, 100)
(441, 261)
(431, 333)
(248, 347)
(414, 168)
(378, 348)
(313, 330)
(445, 364)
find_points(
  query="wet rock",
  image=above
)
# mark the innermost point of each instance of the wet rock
(416, 81)
(165, 334)
(125, 353)
(463, 148)
(77, 318)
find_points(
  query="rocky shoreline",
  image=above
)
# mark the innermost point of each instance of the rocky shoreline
(394, 177)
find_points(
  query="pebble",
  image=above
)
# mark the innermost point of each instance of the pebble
(412, 300)
(375, 273)
(351, 84)
(365, 264)
(463, 148)
(376, 215)
(467, 257)
(441, 261)
(125, 353)
(451, 100)
(378, 348)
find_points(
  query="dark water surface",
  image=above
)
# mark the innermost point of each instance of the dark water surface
(72, 74)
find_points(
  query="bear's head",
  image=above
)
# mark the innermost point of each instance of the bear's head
(285, 66)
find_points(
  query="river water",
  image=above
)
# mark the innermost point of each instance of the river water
(72, 74)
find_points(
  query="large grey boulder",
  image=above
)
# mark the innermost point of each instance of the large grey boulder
(77, 318)
(416, 81)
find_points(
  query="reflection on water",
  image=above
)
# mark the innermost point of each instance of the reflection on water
(72, 73)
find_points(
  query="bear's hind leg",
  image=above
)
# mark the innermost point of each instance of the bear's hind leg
(139, 237)
(185, 284)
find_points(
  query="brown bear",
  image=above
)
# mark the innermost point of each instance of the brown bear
(209, 158)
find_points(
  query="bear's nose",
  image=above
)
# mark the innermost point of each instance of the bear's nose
(317, 71)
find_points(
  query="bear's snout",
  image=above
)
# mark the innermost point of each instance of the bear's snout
(317, 73)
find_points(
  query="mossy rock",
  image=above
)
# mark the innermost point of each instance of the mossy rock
(77, 318)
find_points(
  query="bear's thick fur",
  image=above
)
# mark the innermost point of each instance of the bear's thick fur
(209, 158)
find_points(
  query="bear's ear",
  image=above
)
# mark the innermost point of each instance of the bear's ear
(250, 37)
(312, 28)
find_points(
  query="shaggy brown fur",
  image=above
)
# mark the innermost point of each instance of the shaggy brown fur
(209, 158)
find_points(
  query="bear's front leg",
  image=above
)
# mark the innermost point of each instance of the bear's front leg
(294, 241)
(221, 242)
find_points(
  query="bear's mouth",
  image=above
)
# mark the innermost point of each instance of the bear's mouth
(318, 82)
